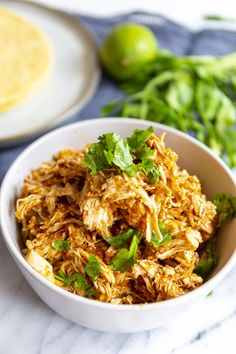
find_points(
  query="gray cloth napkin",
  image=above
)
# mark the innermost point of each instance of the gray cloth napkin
(170, 36)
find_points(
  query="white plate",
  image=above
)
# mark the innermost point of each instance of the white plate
(71, 83)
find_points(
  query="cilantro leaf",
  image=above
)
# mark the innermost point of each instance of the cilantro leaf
(149, 168)
(167, 236)
(92, 268)
(83, 285)
(95, 159)
(154, 175)
(207, 263)
(226, 208)
(139, 138)
(205, 266)
(66, 279)
(110, 151)
(129, 156)
(61, 276)
(142, 152)
(121, 238)
(138, 145)
(79, 281)
(61, 245)
(125, 258)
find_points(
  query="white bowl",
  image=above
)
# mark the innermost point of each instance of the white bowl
(194, 156)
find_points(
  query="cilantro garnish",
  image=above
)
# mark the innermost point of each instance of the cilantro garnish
(130, 156)
(149, 168)
(61, 245)
(206, 264)
(125, 258)
(92, 268)
(166, 235)
(143, 153)
(110, 151)
(121, 238)
(79, 281)
(226, 208)
(137, 142)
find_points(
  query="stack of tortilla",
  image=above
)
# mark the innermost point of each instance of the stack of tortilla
(25, 59)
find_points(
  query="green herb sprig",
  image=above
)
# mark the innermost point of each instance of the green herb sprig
(226, 208)
(130, 156)
(194, 94)
(207, 263)
(110, 151)
(126, 258)
(79, 281)
(92, 268)
(166, 235)
(118, 240)
(61, 245)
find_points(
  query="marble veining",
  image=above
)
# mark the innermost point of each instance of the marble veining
(28, 326)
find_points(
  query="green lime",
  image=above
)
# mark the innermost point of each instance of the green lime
(126, 49)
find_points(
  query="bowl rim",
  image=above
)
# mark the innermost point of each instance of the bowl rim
(20, 260)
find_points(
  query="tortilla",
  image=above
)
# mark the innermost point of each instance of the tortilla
(24, 61)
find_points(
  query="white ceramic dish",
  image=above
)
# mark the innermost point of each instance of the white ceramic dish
(72, 81)
(193, 156)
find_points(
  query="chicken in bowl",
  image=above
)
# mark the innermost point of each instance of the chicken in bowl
(120, 221)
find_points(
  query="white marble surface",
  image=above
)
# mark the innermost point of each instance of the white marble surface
(27, 326)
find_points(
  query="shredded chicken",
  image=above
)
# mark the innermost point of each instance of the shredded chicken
(61, 200)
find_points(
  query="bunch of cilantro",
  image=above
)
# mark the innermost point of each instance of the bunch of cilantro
(194, 94)
(130, 156)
